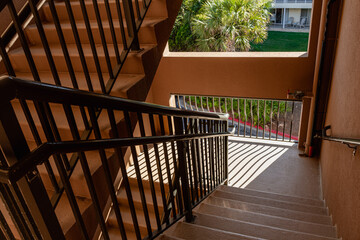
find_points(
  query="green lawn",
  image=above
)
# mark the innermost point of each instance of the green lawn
(283, 42)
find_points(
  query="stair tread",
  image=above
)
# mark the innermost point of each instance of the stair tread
(191, 231)
(252, 229)
(276, 196)
(167, 237)
(279, 212)
(122, 85)
(270, 202)
(269, 220)
(114, 233)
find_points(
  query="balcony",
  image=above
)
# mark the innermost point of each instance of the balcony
(301, 4)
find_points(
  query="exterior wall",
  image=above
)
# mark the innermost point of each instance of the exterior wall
(295, 13)
(341, 170)
(237, 74)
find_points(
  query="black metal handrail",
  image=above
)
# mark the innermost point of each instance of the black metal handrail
(198, 157)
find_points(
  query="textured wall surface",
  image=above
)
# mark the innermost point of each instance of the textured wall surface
(341, 170)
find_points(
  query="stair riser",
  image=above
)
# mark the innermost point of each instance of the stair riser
(282, 223)
(271, 203)
(146, 35)
(319, 219)
(157, 9)
(304, 201)
(133, 64)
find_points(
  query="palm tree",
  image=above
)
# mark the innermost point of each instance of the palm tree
(231, 25)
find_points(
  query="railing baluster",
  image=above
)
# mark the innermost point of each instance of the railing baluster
(5, 58)
(92, 45)
(284, 121)
(264, 121)
(149, 172)
(213, 103)
(198, 155)
(158, 163)
(167, 164)
(112, 31)
(103, 39)
(194, 160)
(245, 117)
(258, 119)
(138, 174)
(239, 117)
(292, 118)
(277, 120)
(232, 111)
(252, 116)
(271, 117)
(131, 24)
(121, 24)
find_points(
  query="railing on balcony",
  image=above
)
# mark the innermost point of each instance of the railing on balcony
(293, 1)
(273, 119)
(198, 148)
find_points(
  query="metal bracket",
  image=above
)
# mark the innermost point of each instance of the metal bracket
(352, 147)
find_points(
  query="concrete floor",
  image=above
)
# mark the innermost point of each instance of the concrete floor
(272, 167)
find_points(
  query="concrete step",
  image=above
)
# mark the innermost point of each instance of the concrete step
(273, 211)
(146, 32)
(267, 220)
(157, 9)
(286, 198)
(122, 85)
(114, 234)
(192, 231)
(250, 229)
(270, 202)
(167, 237)
(132, 65)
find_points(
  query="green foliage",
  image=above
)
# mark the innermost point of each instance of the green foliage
(254, 109)
(220, 25)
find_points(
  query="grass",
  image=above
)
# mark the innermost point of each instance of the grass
(283, 42)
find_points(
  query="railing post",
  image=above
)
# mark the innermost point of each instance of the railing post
(226, 152)
(30, 188)
(182, 149)
(131, 25)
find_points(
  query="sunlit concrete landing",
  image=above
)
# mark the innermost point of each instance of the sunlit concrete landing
(272, 166)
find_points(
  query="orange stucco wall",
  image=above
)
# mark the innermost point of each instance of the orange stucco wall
(341, 170)
(266, 76)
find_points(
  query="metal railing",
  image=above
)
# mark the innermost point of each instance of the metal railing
(272, 119)
(133, 12)
(293, 1)
(198, 143)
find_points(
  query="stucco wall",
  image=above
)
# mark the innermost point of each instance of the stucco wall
(244, 75)
(341, 170)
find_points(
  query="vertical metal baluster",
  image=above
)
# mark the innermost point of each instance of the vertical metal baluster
(138, 9)
(92, 45)
(204, 149)
(277, 121)
(181, 147)
(284, 120)
(211, 149)
(201, 156)
(232, 111)
(201, 103)
(245, 117)
(38, 142)
(176, 171)
(86, 170)
(258, 119)
(239, 117)
(226, 109)
(207, 104)
(103, 40)
(264, 122)
(149, 172)
(184, 101)
(220, 105)
(252, 117)
(190, 104)
(138, 174)
(23, 41)
(292, 118)
(196, 104)
(109, 182)
(5, 231)
(199, 161)
(6, 59)
(121, 24)
(271, 117)
(158, 163)
(217, 152)
(112, 31)
(194, 160)
(167, 164)
(78, 45)
(213, 102)
(188, 154)
(131, 24)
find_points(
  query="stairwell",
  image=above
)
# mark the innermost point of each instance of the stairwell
(133, 82)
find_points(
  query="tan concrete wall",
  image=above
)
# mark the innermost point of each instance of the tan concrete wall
(257, 75)
(341, 170)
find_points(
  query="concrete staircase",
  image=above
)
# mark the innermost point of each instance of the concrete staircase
(234, 213)
(133, 82)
